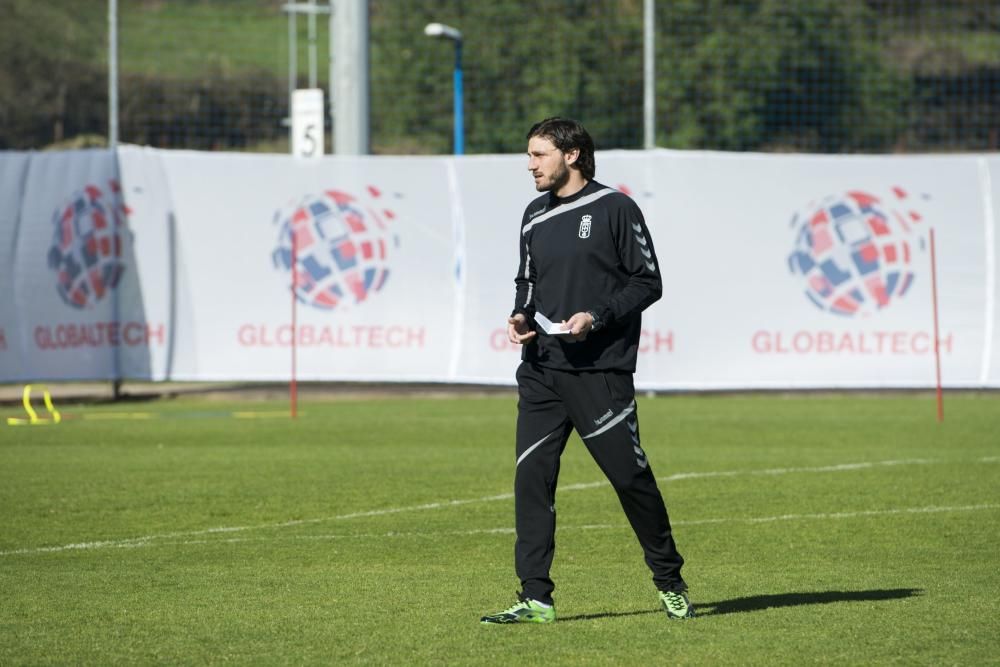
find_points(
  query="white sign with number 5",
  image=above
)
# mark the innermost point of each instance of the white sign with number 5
(307, 122)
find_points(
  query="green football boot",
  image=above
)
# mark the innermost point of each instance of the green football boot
(676, 604)
(525, 611)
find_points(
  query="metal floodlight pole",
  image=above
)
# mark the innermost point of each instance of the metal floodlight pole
(458, 110)
(293, 9)
(649, 77)
(311, 19)
(349, 77)
(331, 76)
(113, 74)
(441, 31)
(293, 55)
(116, 382)
(349, 89)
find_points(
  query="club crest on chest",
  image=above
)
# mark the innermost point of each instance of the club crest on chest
(584, 232)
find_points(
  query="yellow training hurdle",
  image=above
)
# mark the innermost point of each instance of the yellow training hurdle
(33, 418)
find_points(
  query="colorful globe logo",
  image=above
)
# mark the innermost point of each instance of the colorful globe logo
(87, 244)
(342, 248)
(854, 252)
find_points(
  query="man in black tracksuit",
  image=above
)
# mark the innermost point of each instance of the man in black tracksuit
(587, 271)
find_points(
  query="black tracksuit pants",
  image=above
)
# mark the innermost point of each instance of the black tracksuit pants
(600, 405)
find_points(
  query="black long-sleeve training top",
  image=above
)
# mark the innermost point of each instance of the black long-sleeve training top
(588, 251)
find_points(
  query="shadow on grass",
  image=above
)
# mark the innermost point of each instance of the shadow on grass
(762, 602)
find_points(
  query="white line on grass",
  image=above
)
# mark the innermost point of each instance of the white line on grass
(934, 509)
(138, 541)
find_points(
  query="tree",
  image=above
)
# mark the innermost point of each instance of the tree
(779, 74)
(49, 86)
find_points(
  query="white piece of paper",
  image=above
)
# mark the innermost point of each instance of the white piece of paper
(550, 327)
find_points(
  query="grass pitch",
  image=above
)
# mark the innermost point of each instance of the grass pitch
(817, 529)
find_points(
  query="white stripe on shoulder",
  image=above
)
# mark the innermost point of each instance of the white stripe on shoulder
(582, 201)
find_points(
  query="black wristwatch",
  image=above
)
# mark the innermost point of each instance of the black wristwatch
(598, 323)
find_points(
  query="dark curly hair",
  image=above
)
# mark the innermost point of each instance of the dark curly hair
(567, 135)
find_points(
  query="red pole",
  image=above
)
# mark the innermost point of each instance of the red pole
(937, 337)
(295, 284)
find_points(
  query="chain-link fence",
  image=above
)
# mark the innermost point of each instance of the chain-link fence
(772, 75)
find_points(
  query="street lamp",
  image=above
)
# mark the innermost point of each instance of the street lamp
(441, 31)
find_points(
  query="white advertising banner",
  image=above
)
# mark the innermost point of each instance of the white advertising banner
(780, 271)
(811, 271)
(77, 301)
(152, 227)
(493, 192)
(13, 168)
(374, 267)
